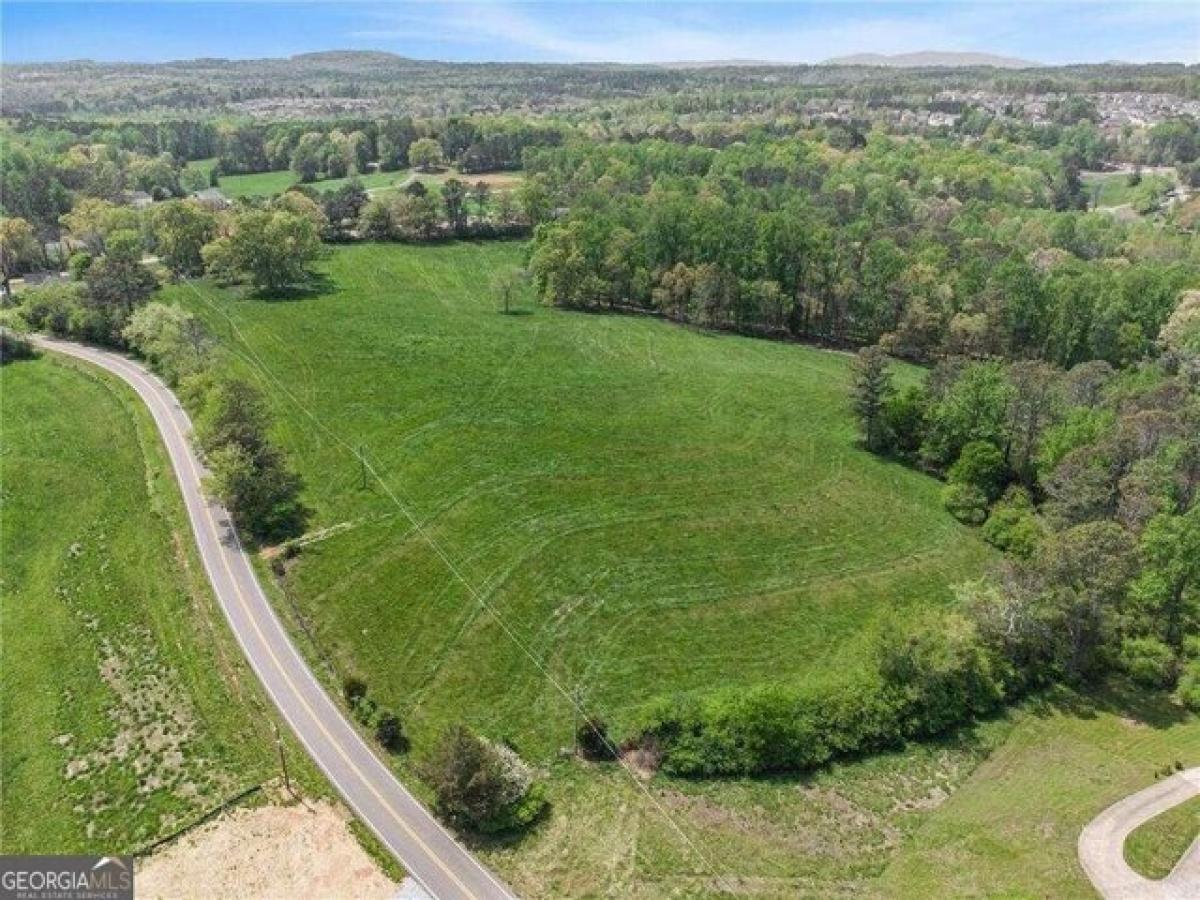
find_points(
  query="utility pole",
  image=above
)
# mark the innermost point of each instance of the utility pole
(287, 781)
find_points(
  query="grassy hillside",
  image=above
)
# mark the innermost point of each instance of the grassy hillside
(1011, 829)
(125, 709)
(649, 509)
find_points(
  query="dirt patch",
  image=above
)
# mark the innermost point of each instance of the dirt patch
(303, 850)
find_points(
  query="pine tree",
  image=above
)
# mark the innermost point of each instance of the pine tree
(870, 389)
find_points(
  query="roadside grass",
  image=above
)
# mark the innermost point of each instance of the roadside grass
(127, 710)
(1011, 829)
(1156, 846)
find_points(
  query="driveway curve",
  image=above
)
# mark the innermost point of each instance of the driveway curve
(1102, 844)
(427, 851)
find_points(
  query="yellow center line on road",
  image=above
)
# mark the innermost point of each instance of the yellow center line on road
(137, 374)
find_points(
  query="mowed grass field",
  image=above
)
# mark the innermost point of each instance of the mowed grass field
(1011, 829)
(630, 508)
(267, 184)
(125, 709)
(1114, 189)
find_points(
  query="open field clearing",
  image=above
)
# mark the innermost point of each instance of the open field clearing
(127, 710)
(1011, 829)
(1114, 189)
(267, 184)
(647, 508)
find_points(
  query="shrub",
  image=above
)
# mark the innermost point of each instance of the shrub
(904, 421)
(981, 465)
(353, 689)
(1188, 690)
(592, 740)
(78, 265)
(1013, 525)
(14, 346)
(770, 728)
(1149, 662)
(50, 307)
(941, 674)
(965, 502)
(390, 733)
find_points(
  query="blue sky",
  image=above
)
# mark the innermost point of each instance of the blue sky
(1042, 31)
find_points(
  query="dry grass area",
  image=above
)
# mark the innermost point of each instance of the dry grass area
(302, 850)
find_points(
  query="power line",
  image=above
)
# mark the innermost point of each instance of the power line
(475, 595)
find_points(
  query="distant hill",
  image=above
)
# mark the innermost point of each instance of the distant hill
(720, 64)
(929, 58)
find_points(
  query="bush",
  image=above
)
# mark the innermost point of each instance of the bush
(249, 474)
(965, 502)
(51, 307)
(1188, 690)
(981, 465)
(1013, 525)
(941, 673)
(1149, 662)
(770, 728)
(904, 421)
(353, 689)
(390, 733)
(930, 677)
(14, 346)
(78, 265)
(592, 740)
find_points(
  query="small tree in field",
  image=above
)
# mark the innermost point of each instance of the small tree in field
(505, 287)
(870, 389)
(479, 785)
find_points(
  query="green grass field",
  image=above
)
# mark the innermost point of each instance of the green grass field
(1115, 190)
(1156, 846)
(648, 508)
(1011, 829)
(267, 184)
(126, 708)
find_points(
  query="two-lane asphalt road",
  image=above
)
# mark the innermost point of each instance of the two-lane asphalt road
(425, 849)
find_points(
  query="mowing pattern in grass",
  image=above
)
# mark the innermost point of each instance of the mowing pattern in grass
(1156, 846)
(117, 724)
(651, 509)
(1012, 829)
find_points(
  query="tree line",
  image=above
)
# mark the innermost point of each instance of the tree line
(931, 248)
